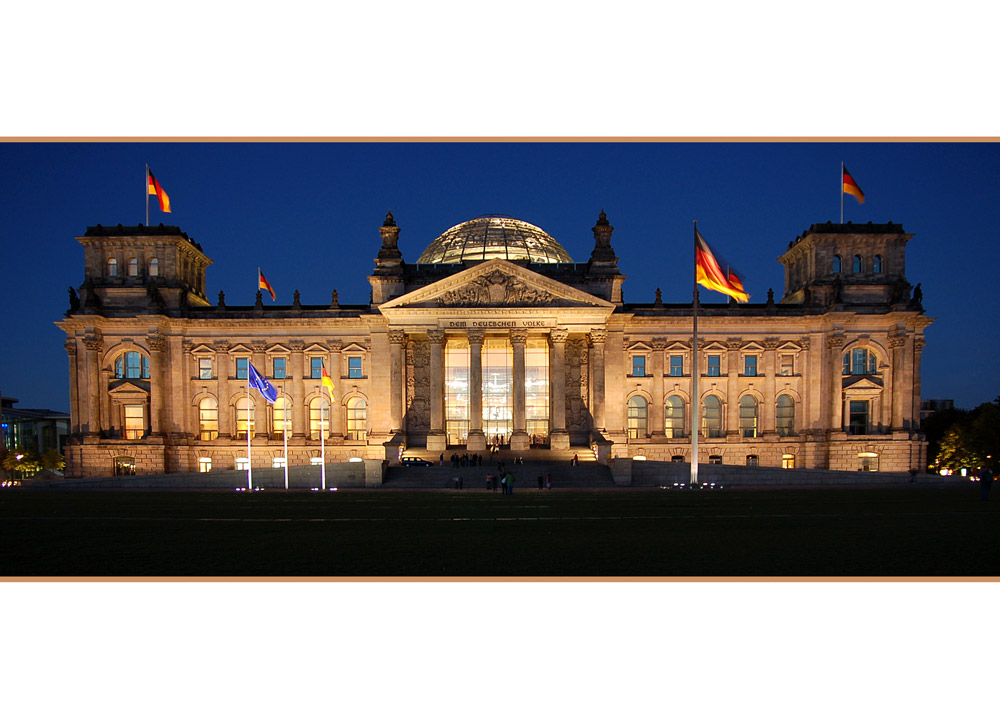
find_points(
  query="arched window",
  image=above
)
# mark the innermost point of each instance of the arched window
(208, 419)
(860, 362)
(785, 415)
(133, 267)
(319, 417)
(112, 267)
(357, 419)
(711, 417)
(748, 416)
(877, 264)
(132, 365)
(858, 265)
(675, 417)
(836, 264)
(638, 414)
(154, 267)
(279, 420)
(244, 418)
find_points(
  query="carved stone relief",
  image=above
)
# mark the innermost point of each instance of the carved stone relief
(496, 288)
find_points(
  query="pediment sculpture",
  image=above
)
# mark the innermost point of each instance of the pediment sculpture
(493, 289)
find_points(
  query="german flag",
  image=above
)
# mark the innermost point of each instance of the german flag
(851, 187)
(713, 272)
(263, 284)
(155, 189)
(327, 383)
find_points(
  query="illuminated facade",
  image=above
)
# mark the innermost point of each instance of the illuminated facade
(495, 335)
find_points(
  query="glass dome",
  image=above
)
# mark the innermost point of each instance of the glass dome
(494, 237)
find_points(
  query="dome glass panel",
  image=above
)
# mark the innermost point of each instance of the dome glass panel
(494, 237)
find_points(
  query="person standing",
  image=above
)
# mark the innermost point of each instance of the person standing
(541, 481)
(548, 481)
(985, 482)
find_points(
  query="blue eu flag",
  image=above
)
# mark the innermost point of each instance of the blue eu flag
(267, 390)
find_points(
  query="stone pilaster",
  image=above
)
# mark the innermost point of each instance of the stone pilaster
(74, 392)
(159, 380)
(835, 350)
(337, 412)
(656, 417)
(260, 406)
(767, 412)
(300, 412)
(226, 368)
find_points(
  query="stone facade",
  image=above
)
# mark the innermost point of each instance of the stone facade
(826, 378)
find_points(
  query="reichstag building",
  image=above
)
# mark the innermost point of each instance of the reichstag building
(494, 335)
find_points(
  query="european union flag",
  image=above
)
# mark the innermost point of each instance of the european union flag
(267, 390)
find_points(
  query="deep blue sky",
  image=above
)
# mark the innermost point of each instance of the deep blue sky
(308, 214)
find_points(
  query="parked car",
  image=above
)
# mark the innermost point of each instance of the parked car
(414, 461)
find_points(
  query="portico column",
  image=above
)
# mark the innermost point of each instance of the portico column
(519, 439)
(597, 339)
(657, 424)
(397, 339)
(436, 439)
(558, 436)
(477, 438)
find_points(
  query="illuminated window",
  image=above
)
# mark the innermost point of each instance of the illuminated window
(637, 417)
(788, 461)
(867, 461)
(154, 270)
(242, 463)
(133, 267)
(638, 366)
(836, 264)
(749, 365)
(536, 390)
(132, 365)
(112, 267)
(135, 424)
(279, 420)
(205, 368)
(714, 367)
(785, 415)
(711, 417)
(244, 418)
(204, 465)
(357, 419)
(676, 365)
(124, 466)
(208, 419)
(674, 417)
(319, 417)
(456, 391)
(748, 416)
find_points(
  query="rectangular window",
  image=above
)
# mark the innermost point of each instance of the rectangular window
(677, 365)
(787, 364)
(750, 365)
(354, 367)
(204, 465)
(242, 366)
(205, 368)
(714, 368)
(858, 420)
(638, 366)
(279, 368)
(134, 424)
(714, 459)
(315, 367)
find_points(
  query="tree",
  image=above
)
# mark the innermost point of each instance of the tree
(52, 459)
(972, 440)
(22, 460)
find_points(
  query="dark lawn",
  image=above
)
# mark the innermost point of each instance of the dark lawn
(737, 532)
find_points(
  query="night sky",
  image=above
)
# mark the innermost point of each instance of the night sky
(308, 215)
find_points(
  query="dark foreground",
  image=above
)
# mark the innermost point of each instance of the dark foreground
(562, 533)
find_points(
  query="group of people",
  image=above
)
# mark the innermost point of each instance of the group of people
(506, 480)
(463, 460)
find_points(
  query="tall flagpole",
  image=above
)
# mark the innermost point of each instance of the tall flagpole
(249, 462)
(145, 188)
(694, 368)
(322, 437)
(284, 429)
(841, 192)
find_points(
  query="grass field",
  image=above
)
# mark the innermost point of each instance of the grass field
(737, 532)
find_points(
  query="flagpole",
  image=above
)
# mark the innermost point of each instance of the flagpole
(694, 367)
(145, 187)
(322, 438)
(841, 192)
(249, 461)
(284, 429)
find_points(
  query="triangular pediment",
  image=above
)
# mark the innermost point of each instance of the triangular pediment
(128, 390)
(497, 284)
(858, 384)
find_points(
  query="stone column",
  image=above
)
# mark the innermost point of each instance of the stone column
(397, 339)
(558, 435)
(597, 339)
(835, 351)
(733, 371)
(657, 423)
(477, 438)
(158, 384)
(337, 411)
(519, 439)
(436, 438)
(94, 345)
(300, 412)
